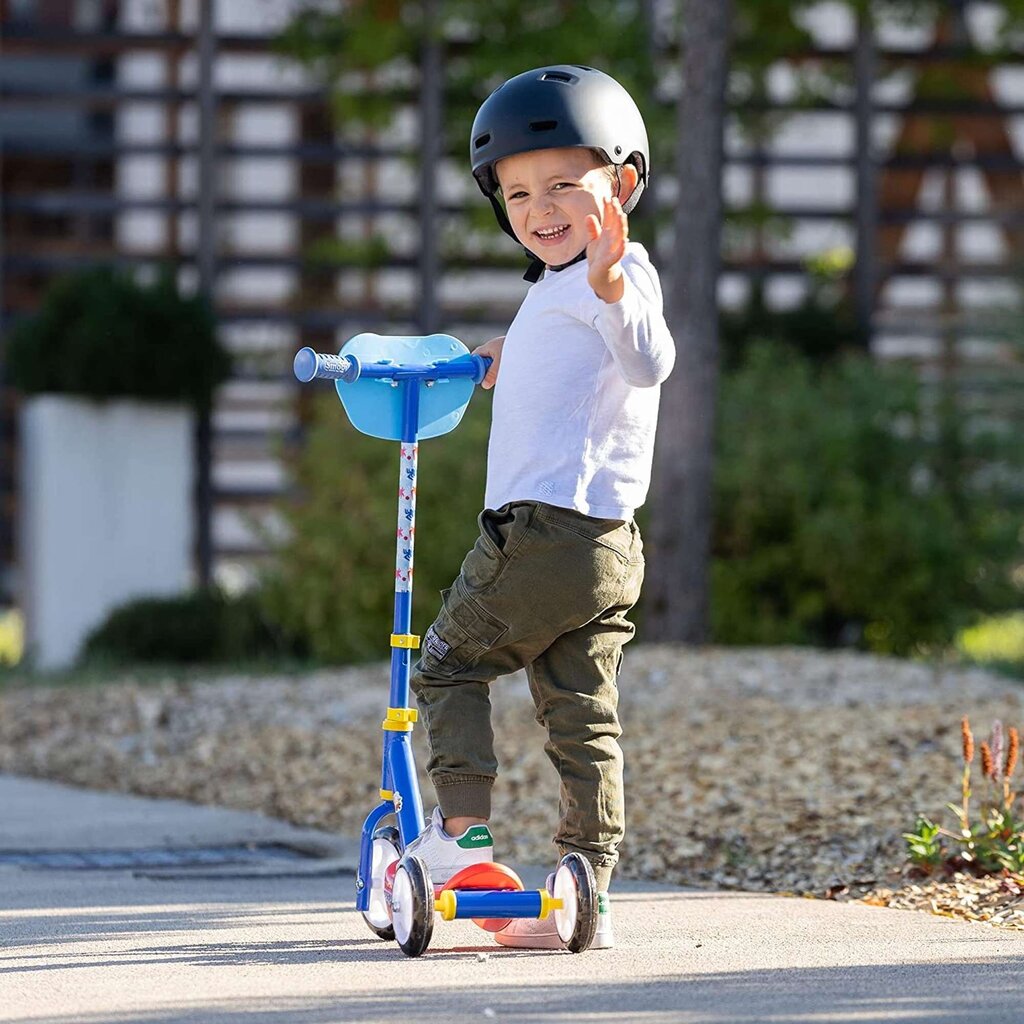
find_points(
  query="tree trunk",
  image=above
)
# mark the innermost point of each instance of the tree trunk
(679, 537)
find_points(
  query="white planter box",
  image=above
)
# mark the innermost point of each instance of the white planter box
(106, 514)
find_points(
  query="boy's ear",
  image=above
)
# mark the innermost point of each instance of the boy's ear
(628, 178)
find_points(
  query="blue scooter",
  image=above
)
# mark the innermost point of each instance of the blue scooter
(407, 389)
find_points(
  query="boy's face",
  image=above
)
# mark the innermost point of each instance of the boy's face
(549, 193)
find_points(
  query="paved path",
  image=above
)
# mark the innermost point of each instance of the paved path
(284, 945)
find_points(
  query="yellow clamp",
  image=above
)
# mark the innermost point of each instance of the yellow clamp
(387, 794)
(446, 904)
(400, 719)
(548, 903)
(409, 640)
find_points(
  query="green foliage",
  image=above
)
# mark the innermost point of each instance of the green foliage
(924, 844)
(489, 44)
(997, 642)
(337, 252)
(332, 582)
(994, 840)
(12, 636)
(837, 518)
(819, 328)
(204, 626)
(100, 334)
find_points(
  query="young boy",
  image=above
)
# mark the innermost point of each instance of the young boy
(558, 563)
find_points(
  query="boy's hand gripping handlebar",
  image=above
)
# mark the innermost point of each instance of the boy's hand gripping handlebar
(311, 365)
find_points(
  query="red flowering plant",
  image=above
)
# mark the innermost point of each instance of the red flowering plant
(995, 841)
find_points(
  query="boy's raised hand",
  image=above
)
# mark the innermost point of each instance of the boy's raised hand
(491, 349)
(606, 248)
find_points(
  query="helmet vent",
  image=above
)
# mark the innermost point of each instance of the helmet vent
(482, 140)
(557, 76)
(543, 126)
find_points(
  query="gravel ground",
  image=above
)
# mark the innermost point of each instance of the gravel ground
(784, 770)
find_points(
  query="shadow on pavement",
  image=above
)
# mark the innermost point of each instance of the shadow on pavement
(813, 995)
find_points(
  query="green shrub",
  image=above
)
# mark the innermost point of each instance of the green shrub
(99, 334)
(820, 327)
(332, 582)
(204, 626)
(838, 518)
(996, 642)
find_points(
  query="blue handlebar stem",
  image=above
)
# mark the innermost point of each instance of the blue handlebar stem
(311, 365)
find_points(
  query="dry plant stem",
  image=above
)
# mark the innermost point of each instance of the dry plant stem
(996, 741)
(965, 787)
(986, 761)
(968, 740)
(988, 774)
(1011, 763)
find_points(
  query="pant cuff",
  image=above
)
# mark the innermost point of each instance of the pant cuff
(463, 798)
(603, 876)
(602, 863)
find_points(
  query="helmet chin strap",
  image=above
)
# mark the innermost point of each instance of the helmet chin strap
(535, 271)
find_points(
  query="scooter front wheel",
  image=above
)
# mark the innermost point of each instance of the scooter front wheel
(412, 906)
(576, 887)
(385, 853)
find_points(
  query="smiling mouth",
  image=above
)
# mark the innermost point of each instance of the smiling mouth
(552, 234)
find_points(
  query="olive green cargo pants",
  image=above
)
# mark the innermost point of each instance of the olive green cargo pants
(548, 589)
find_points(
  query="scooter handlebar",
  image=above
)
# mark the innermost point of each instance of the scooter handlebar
(311, 365)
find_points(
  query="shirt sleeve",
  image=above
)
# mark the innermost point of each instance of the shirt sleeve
(634, 328)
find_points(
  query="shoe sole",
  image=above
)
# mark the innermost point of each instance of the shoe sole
(606, 941)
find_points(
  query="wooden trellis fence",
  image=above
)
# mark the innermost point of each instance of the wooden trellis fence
(103, 161)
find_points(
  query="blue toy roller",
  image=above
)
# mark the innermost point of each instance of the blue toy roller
(406, 389)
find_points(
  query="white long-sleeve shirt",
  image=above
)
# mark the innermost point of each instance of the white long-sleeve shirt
(576, 401)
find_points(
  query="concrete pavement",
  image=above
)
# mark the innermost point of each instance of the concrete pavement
(279, 942)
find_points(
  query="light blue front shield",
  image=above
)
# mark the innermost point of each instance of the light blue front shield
(375, 405)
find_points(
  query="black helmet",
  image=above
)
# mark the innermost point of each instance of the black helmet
(551, 107)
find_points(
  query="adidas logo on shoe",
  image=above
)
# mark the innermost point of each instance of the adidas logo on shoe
(446, 855)
(475, 836)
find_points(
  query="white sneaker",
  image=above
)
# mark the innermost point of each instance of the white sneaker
(446, 855)
(537, 933)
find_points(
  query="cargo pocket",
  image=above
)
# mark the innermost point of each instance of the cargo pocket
(501, 531)
(462, 632)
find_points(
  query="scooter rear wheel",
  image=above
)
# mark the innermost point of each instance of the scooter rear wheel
(576, 887)
(385, 852)
(412, 906)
